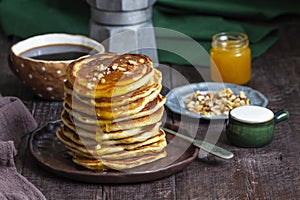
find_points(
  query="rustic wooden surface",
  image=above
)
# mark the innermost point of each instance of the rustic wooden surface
(271, 172)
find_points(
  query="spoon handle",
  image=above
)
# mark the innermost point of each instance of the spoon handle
(208, 147)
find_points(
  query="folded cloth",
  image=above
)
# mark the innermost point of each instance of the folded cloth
(12, 184)
(15, 122)
(199, 20)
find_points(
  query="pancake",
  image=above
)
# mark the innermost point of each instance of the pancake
(123, 164)
(94, 132)
(90, 116)
(125, 99)
(126, 133)
(74, 137)
(88, 123)
(143, 150)
(153, 144)
(92, 164)
(113, 113)
(153, 85)
(133, 162)
(74, 152)
(109, 75)
(140, 136)
(135, 66)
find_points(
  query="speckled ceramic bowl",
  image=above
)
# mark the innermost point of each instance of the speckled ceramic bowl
(43, 76)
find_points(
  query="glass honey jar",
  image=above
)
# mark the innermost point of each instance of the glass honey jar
(230, 58)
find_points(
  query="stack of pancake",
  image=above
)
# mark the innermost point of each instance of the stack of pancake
(112, 112)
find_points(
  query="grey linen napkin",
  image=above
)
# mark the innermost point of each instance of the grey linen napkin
(15, 122)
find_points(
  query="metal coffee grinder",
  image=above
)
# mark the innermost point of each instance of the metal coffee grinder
(124, 26)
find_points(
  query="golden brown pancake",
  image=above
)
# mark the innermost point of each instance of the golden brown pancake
(94, 132)
(109, 75)
(153, 144)
(115, 113)
(74, 137)
(153, 85)
(122, 164)
(92, 164)
(142, 92)
(74, 152)
(86, 123)
(140, 136)
(138, 151)
(104, 116)
(133, 162)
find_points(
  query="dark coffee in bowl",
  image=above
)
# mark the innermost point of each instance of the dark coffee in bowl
(58, 52)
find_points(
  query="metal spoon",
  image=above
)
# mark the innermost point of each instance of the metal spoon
(208, 147)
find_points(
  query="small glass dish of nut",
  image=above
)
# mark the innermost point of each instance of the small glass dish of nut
(211, 100)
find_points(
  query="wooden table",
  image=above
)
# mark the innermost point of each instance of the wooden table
(271, 172)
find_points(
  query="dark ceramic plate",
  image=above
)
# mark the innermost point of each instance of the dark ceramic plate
(177, 96)
(51, 154)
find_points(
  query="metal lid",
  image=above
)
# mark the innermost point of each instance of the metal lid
(121, 18)
(121, 5)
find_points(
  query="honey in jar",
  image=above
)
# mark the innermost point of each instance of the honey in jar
(230, 58)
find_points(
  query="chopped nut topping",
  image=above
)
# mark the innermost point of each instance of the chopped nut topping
(141, 60)
(90, 85)
(121, 69)
(93, 102)
(100, 76)
(101, 67)
(102, 80)
(132, 62)
(115, 66)
(221, 103)
(127, 73)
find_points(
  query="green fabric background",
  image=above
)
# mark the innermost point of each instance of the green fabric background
(199, 19)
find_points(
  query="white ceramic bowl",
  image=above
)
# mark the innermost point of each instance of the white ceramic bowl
(45, 77)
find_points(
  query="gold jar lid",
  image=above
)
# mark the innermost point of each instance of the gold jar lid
(230, 40)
